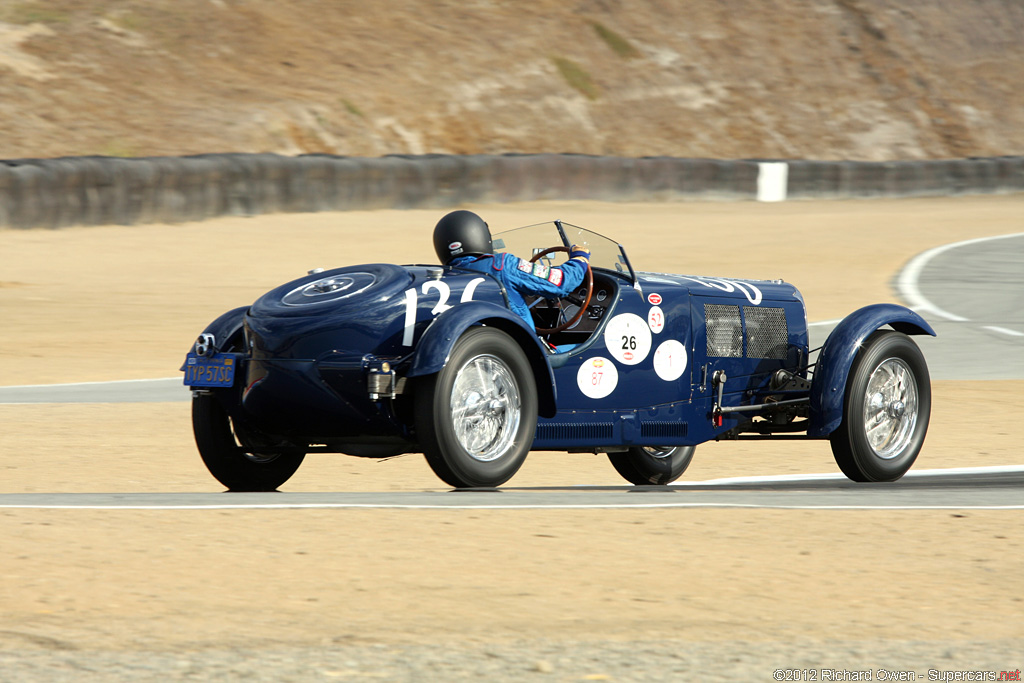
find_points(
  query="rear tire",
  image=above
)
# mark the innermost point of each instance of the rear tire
(476, 418)
(886, 408)
(657, 465)
(226, 456)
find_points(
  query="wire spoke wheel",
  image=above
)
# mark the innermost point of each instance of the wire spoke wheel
(890, 408)
(486, 408)
(240, 459)
(652, 465)
(886, 408)
(476, 418)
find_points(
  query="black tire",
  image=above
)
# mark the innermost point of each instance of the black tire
(222, 448)
(889, 386)
(489, 379)
(652, 464)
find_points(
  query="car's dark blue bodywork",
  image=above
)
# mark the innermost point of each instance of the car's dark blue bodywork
(332, 360)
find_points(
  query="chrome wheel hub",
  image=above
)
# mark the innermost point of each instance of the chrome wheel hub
(486, 408)
(890, 408)
(659, 452)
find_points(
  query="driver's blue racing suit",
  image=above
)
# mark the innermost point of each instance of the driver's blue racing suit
(521, 277)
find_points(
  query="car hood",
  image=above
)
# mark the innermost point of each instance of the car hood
(751, 291)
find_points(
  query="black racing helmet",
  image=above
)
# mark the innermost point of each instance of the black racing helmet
(461, 233)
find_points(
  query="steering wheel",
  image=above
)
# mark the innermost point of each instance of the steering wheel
(588, 281)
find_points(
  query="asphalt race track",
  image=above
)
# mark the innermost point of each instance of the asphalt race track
(971, 292)
(993, 488)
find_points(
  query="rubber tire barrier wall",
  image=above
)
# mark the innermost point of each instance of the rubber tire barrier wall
(65, 191)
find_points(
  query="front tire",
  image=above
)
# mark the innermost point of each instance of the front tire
(886, 409)
(657, 465)
(476, 418)
(227, 457)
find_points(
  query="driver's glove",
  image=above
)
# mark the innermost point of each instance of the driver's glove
(579, 253)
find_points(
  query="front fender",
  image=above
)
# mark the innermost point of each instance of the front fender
(435, 346)
(837, 355)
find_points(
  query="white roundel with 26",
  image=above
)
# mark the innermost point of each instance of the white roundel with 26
(628, 338)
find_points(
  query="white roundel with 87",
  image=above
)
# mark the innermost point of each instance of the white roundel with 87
(597, 377)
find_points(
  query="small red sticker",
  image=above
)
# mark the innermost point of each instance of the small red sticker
(654, 299)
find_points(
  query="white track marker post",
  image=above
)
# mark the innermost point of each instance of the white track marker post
(772, 179)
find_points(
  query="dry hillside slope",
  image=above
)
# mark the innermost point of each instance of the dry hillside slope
(854, 79)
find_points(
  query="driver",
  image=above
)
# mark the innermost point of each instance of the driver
(462, 239)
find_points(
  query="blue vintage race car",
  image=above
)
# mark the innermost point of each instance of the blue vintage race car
(378, 360)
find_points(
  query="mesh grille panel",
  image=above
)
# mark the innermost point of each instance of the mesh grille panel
(767, 334)
(725, 334)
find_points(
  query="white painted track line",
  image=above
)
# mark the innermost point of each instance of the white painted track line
(789, 478)
(1004, 330)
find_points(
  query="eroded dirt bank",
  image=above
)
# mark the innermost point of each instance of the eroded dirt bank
(846, 79)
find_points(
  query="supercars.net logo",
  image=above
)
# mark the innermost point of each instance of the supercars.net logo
(892, 675)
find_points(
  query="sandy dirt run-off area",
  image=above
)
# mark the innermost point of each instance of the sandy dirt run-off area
(523, 590)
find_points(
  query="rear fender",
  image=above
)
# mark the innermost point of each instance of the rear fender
(435, 346)
(226, 327)
(227, 332)
(837, 355)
